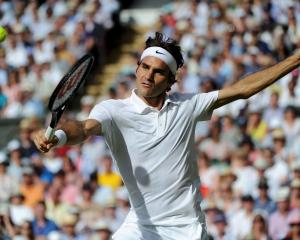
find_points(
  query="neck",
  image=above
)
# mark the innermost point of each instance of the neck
(156, 102)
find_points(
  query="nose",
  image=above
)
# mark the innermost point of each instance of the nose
(150, 75)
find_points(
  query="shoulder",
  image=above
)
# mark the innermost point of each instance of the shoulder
(182, 97)
(112, 105)
(113, 102)
(187, 96)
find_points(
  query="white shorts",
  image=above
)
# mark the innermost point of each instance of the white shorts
(132, 231)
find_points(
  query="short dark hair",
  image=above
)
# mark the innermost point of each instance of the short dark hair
(160, 40)
(169, 44)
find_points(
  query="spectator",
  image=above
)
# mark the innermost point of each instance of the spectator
(222, 231)
(290, 94)
(93, 150)
(86, 104)
(263, 203)
(123, 90)
(41, 225)
(295, 168)
(241, 222)
(208, 173)
(256, 127)
(273, 112)
(72, 182)
(69, 222)
(53, 162)
(15, 161)
(230, 132)
(295, 194)
(244, 172)
(291, 125)
(227, 200)
(277, 173)
(260, 165)
(18, 211)
(213, 146)
(259, 228)
(8, 183)
(45, 176)
(90, 211)
(122, 203)
(110, 215)
(31, 187)
(103, 195)
(102, 231)
(16, 53)
(108, 177)
(24, 231)
(13, 92)
(31, 106)
(278, 221)
(56, 209)
(294, 223)
(27, 147)
(3, 100)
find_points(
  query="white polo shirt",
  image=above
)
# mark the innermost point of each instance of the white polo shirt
(154, 151)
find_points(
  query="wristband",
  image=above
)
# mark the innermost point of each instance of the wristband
(62, 137)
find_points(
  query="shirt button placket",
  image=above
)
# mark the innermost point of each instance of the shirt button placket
(160, 125)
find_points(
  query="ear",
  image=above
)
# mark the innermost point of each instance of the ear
(170, 83)
(172, 79)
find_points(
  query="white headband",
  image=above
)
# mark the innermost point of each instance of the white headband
(163, 55)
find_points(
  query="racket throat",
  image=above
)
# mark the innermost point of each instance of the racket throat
(55, 117)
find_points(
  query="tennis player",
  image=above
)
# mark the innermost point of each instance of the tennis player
(151, 138)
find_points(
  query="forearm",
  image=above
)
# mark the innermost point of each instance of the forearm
(70, 132)
(75, 131)
(258, 81)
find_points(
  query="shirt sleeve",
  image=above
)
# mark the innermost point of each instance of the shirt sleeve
(102, 115)
(203, 105)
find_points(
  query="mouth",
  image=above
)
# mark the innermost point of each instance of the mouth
(146, 85)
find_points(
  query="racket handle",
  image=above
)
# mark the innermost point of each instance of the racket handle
(49, 133)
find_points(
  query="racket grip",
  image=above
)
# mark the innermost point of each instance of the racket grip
(49, 133)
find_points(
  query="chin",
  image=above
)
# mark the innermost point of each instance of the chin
(145, 92)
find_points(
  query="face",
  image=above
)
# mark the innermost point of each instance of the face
(40, 210)
(107, 164)
(152, 77)
(259, 223)
(248, 206)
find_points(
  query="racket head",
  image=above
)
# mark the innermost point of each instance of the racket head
(70, 83)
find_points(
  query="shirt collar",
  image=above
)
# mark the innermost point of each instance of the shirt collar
(142, 107)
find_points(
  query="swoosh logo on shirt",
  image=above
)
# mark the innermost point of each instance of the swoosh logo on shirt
(159, 52)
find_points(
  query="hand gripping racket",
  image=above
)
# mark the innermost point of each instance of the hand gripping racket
(66, 89)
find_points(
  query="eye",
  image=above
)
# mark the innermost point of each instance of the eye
(160, 72)
(145, 66)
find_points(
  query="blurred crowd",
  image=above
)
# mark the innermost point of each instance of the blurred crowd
(45, 38)
(248, 154)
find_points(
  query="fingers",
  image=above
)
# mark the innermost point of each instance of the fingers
(42, 143)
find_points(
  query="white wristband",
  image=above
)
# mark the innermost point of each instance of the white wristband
(62, 137)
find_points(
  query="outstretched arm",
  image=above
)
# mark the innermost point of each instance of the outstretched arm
(76, 132)
(258, 81)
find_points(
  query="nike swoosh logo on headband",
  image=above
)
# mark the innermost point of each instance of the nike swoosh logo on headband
(159, 52)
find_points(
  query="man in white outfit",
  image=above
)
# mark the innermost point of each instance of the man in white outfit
(151, 138)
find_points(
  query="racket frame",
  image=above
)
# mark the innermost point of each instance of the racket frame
(57, 112)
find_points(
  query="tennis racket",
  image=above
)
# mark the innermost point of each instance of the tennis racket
(66, 89)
